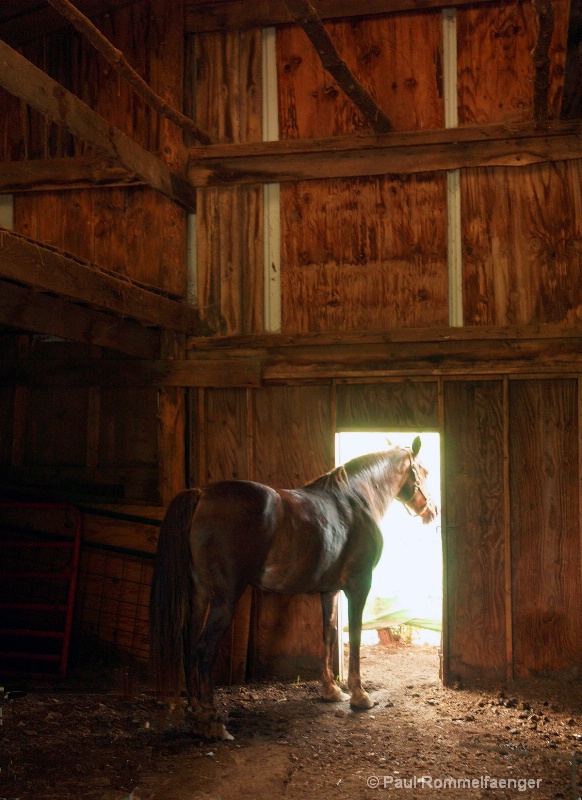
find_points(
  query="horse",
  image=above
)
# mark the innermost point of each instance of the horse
(322, 538)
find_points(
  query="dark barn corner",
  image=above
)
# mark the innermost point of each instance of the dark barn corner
(229, 230)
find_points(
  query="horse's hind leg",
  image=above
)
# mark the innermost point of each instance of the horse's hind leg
(331, 690)
(357, 595)
(218, 619)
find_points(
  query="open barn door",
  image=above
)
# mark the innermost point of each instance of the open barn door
(406, 593)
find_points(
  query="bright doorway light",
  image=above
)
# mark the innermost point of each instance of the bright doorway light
(407, 582)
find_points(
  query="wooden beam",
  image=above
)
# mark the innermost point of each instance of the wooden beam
(45, 269)
(119, 63)
(394, 153)
(221, 15)
(541, 57)
(428, 352)
(82, 172)
(304, 14)
(22, 79)
(277, 359)
(241, 371)
(25, 309)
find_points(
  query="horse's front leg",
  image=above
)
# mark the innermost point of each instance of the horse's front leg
(331, 690)
(357, 595)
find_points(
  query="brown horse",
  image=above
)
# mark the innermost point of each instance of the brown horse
(218, 539)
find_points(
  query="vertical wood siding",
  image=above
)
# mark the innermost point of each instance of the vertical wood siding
(364, 253)
(544, 489)
(520, 227)
(228, 101)
(473, 531)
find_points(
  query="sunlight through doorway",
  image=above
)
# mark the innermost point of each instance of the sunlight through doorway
(406, 591)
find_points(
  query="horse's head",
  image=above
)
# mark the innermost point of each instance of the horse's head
(414, 494)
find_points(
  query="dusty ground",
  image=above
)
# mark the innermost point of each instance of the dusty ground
(74, 743)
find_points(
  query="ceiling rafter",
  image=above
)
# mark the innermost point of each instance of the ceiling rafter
(21, 78)
(120, 64)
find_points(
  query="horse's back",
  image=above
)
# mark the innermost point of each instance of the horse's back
(232, 530)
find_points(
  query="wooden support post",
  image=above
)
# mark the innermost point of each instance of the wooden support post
(171, 429)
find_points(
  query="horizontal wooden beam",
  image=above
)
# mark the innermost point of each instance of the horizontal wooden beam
(22, 79)
(25, 309)
(220, 15)
(81, 172)
(269, 360)
(308, 358)
(393, 153)
(240, 371)
(45, 269)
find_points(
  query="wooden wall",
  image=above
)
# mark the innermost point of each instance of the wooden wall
(357, 255)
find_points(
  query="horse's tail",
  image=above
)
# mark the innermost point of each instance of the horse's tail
(171, 594)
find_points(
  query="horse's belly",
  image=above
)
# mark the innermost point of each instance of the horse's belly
(296, 577)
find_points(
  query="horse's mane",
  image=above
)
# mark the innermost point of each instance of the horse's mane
(361, 466)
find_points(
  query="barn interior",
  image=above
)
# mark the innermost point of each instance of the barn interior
(230, 230)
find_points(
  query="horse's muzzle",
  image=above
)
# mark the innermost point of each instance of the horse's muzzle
(429, 513)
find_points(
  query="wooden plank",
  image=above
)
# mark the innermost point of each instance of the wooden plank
(387, 406)
(377, 260)
(500, 39)
(362, 155)
(26, 81)
(44, 269)
(473, 457)
(121, 373)
(520, 234)
(507, 561)
(288, 630)
(225, 430)
(118, 61)
(547, 590)
(469, 333)
(229, 220)
(440, 359)
(305, 15)
(171, 418)
(23, 308)
(80, 172)
(204, 17)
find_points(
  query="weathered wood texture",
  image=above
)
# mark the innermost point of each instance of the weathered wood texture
(108, 226)
(203, 16)
(387, 406)
(287, 631)
(363, 254)
(229, 221)
(521, 229)
(545, 526)
(522, 244)
(219, 430)
(83, 442)
(359, 155)
(473, 532)
(45, 269)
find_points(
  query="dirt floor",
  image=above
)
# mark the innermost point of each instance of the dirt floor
(420, 741)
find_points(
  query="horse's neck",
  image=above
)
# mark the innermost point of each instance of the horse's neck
(388, 478)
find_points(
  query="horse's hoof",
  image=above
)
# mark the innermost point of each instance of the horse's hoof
(363, 703)
(335, 697)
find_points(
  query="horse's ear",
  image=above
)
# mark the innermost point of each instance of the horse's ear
(416, 446)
